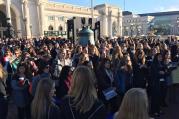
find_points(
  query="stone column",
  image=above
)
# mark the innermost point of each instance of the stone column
(104, 25)
(110, 24)
(42, 19)
(119, 24)
(26, 18)
(8, 10)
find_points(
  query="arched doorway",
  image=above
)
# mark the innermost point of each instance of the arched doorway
(3, 21)
(15, 20)
(50, 28)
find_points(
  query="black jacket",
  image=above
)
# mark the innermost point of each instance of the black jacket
(98, 111)
(2, 87)
(53, 112)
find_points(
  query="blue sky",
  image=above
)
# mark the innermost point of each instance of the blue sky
(136, 6)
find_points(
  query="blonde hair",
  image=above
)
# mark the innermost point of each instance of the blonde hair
(3, 73)
(140, 52)
(134, 105)
(83, 89)
(42, 100)
(93, 47)
(117, 53)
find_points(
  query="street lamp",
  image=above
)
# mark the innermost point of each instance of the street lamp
(31, 30)
(92, 13)
(138, 29)
(132, 29)
(177, 23)
(126, 31)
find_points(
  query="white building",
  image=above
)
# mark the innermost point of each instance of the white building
(135, 25)
(162, 23)
(32, 17)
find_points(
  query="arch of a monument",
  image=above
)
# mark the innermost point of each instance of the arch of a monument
(17, 16)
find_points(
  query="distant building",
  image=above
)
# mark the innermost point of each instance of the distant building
(161, 23)
(134, 25)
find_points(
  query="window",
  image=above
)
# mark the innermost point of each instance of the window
(50, 28)
(61, 18)
(51, 18)
(60, 28)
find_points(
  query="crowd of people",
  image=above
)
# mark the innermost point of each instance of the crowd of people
(54, 78)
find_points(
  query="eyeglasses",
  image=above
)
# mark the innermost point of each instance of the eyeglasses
(47, 67)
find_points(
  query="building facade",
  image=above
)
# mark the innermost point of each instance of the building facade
(135, 25)
(161, 23)
(31, 18)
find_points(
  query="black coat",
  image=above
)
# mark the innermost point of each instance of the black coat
(104, 81)
(140, 75)
(2, 87)
(98, 110)
(54, 112)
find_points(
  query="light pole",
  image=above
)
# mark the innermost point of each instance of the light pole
(177, 25)
(124, 5)
(132, 29)
(92, 12)
(126, 31)
(31, 30)
(138, 29)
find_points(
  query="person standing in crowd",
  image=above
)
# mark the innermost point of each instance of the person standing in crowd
(83, 59)
(134, 105)
(76, 55)
(140, 70)
(117, 57)
(59, 62)
(7, 66)
(125, 74)
(20, 91)
(42, 73)
(16, 60)
(3, 93)
(132, 51)
(147, 48)
(82, 101)
(64, 82)
(105, 81)
(167, 86)
(55, 51)
(94, 56)
(43, 106)
(68, 57)
(158, 80)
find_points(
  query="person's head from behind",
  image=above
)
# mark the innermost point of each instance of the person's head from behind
(43, 67)
(21, 69)
(83, 89)
(134, 105)
(158, 58)
(43, 98)
(66, 71)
